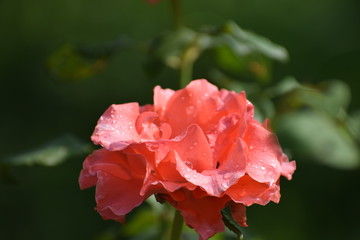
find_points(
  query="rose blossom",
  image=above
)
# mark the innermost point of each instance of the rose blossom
(199, 148)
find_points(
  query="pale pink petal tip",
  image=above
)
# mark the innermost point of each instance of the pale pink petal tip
(115, 129)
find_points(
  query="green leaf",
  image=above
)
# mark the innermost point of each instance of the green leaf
(231, 223)
(241, 52)
(312, 135)
(143, 220)
(68, 64)
(285, 86)
(51, 154)
(171, 46)
(248, 42)
(330, 97)
(353, 124)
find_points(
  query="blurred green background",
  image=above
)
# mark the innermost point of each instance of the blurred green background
(323, 40)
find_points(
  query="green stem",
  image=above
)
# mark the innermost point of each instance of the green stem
(176, 226)
(175, 9)
(191, 53)
(185, 72)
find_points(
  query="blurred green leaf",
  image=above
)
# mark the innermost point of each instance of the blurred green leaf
(244, 53)
(353, 124)
(141, 222)
(331, 97)
(249, 42)
(314, 135)
(51, 154)
(338, 94)
(230, 223)
(69, 64)
(170, 47)
(248, 66)
(285, 86)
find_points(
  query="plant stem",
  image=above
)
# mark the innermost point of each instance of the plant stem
(191, 53)
(185, 72)
(175, 9)
(176, 226)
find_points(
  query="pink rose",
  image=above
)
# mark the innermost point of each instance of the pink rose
(199, 148)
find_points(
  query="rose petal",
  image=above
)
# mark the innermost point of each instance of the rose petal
(146, 127)
(203, 215)
(117, 195)
(264, 153)
(213, 181)
(287, 168)
(184, 106)
(164, 177)
(194, 150)
(115, 129)
(161, 98)
(238, 212)
(117, 183)
(248, 191)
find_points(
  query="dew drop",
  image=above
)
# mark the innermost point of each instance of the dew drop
(227, 176)
(262, 168)
(224, 185)
(190, 109)
(189, 164)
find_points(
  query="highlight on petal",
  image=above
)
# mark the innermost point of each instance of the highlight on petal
(117, 183)
(203, 215)
(115, 129)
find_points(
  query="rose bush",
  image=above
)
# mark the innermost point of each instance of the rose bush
(199, 148)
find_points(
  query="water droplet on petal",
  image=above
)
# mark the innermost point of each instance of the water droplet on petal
(224, 185)
(190, 109)
(189, 164)
(227, 176)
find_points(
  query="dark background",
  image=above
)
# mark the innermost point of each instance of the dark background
(322, 37)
